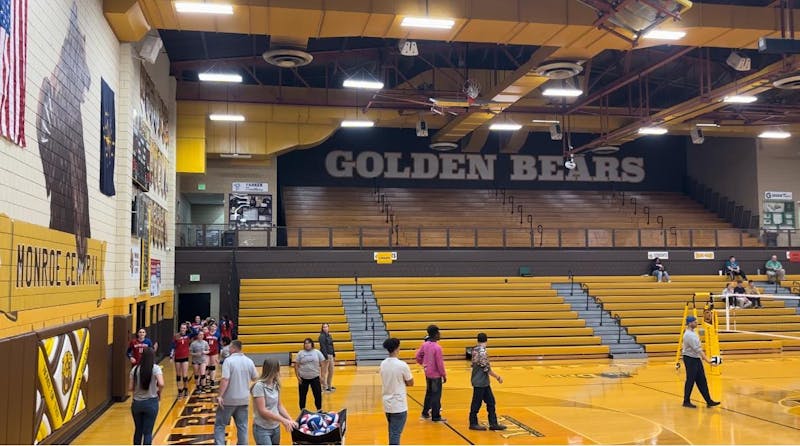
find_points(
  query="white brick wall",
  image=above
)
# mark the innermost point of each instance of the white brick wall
(22, 187)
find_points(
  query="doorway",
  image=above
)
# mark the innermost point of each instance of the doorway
(193, 304)
(141, 314)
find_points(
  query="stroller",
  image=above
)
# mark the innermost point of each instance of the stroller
(336, 436)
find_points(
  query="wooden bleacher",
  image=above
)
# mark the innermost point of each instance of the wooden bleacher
(652, 312)
(544, 326)
(568, 218)
(275, 315)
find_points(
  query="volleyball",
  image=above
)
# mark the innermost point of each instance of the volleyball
(716, 360)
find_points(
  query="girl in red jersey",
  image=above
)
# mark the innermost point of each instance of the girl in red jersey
(226, 327)
(180, 354)
(212, 337)
(138, 344)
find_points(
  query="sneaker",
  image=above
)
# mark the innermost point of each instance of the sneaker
(425, 416)
(332, 389)
(498, 427)
(713, 403)
(477, 427)
(439, 420)
(689, 405)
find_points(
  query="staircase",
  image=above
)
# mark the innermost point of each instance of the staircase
(367, 328)
(621, 345)
(770, 288)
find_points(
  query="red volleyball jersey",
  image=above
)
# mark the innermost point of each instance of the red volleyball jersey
(136, 347)
(213, 344)
(180, 346)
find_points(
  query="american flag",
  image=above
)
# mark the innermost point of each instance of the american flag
(14, 48)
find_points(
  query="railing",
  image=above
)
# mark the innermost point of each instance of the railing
(405, 236)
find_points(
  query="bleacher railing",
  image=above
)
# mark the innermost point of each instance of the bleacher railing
(369, 237)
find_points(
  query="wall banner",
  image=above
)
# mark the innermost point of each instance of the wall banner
(155, 277)
(42, 267)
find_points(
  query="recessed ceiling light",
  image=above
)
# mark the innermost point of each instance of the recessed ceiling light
(652, 131)
(562, 92)
(707, 124)
(505, 126)
(203, 8)
(774, 134)
(427, 22)
(664, 34)
(362, 84)
(739, 99)
(507, 98)
(357, 123)
(220, 77)
(544, 121)
(223, 117)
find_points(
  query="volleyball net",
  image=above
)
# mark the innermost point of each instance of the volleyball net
(765, 322)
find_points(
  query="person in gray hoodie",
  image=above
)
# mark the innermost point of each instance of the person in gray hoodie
(326, 347)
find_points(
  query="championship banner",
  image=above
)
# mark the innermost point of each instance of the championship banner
(62, 377)
(42, 267)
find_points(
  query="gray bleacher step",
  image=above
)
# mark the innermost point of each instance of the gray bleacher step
(366, 343)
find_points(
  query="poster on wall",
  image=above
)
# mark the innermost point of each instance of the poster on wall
(250, 210)
(141, 157)
(152, 144)
(155, 277)
(108, 139)
(13, 45)
(62, 378)
(778, 210)
(136, 262)
(144, 277)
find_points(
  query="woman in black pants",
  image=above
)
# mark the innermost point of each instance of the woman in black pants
(146, 383)
(307, 367)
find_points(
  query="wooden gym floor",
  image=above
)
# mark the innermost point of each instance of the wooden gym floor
(542, 402)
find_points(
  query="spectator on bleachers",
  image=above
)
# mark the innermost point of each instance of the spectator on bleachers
(774, 270)
(429, 356)
(728, 295)
(732, 269)
(657, 269)
(752, 290)
(741, 301)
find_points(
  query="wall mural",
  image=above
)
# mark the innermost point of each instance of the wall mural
(59, 127)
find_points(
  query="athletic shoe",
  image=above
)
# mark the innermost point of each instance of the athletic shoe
(477, 427)
(689, 405)
(498, 427)
(439, 420)
(713, 403)
(332, 389)
(425, 416)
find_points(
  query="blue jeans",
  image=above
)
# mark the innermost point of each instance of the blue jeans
(267, 436)
(144, 417)
(433, 398)
(397, 421)
(659, 274)
(223, 419)
(482, 395)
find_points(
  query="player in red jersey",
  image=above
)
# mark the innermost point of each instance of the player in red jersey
(138, 344)
(180, 354)
(226, 327)
(212, 337)
(197, 325)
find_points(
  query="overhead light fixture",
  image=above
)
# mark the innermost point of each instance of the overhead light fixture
(357, 123)
(204, 8)
(362, 84)
(427, 22)
(570, 162)
(505, 126)
(707, 124)
(652, 131)
(562, 92)
(545, 121)
(506, 98)
(664, 34)
(739, 99)
(220, 77)
(774, 134)
(229, 118)
(246, 156)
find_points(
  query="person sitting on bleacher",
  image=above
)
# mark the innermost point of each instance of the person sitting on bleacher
(657, 269)
(732, 269)
(752, 290)
(741, 301)
(728, 294)
(774, 270)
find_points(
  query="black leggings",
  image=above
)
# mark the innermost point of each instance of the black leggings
(316, 389)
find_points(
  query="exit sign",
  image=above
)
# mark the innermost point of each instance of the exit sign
(201, 186)
(194, 277)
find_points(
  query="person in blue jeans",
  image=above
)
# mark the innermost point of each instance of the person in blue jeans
(268, 410)
(234, 394)
(395, 377)
(146, 382)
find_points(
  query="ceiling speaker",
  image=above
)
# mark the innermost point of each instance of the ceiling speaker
(151, 47)
(697, 135)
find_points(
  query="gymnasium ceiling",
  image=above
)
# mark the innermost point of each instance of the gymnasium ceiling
(496, 43)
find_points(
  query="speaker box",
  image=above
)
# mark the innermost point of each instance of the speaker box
(697, 135)
(151, 46)
(555, 132)
(422, 128)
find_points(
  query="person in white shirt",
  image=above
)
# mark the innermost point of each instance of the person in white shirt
(234, 394)
(395, 376)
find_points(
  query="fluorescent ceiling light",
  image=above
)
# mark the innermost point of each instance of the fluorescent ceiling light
(204, 8)
(664, 35)
(427, 22)
(505, 126)
(362, 84)
(652, 131)
(707, 124)
(774, 134)
(220, 77)
(358, 123)
(563, 92)
(506, 98)
(221, 117)
(544, 121)
(737, 99)
(236, 155)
